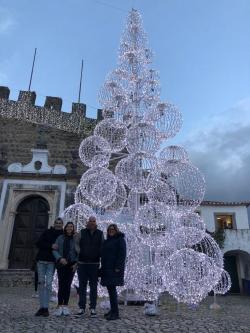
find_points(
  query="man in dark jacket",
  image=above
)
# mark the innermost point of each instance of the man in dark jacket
(46, 265)
(88, 246)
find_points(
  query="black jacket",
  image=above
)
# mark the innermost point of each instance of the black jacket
(90, 245)
(45, 242)
(113, 258)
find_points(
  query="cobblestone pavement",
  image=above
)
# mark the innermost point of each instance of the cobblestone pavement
(17, 309)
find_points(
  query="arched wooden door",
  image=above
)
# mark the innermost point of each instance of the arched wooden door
(30, 222)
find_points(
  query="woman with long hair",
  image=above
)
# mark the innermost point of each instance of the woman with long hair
(66, 262)
(113, 257)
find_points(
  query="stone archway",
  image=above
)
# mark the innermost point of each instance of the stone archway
(32, 217)
(237, 264)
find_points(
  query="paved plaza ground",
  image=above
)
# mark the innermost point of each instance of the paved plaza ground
(17, 309)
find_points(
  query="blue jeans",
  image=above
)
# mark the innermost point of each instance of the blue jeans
(87, 273)
(45, 272)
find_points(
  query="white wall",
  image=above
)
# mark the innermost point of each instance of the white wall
(241, 217)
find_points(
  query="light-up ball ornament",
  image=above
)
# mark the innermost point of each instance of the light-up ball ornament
(95, 151)
(99, 185)
(134, 169)
(174, 153)
(112, 95)
(209, 247)
(78, 214)
(154, 224)
(136, 200)
(159, 191)
(114, 132)
(224, 284)
(189, 274)
(186, 181)
(168, 119)
(190, 230)
(143, 137)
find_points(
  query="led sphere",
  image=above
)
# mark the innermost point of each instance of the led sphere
(143, 138)
(186, 181)
(224, 284)
(191, 229)
(155, 224)
(134, 169)
(78, 197)
(174, 153)
(151, 283)
(189, 276)
(136, 200)
(209, 247)
(111, 211)
(95, 151)
(78, 214)
(99, 185)
(114, 132)
(169, 120)
(160, 191)
(112, 95)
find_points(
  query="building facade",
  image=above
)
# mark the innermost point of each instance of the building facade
(39, 170)
(229, 223)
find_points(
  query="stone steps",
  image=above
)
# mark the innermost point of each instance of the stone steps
(16, 278)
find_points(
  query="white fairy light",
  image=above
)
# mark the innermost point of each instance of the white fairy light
(99, 185)
(155, 224)
(78, 214)
(190, 230)
(143, 138)
(134, 169)
(174, 153)
(95, 151)
(187, 182)
(136, 200)
(170, 121)
(114, 132)
(209, 247)
(224, 284)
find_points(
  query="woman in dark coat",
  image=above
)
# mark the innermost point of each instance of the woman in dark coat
(113, 259)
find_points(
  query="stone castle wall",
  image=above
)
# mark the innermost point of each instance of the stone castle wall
(50, 114)
(23, 127)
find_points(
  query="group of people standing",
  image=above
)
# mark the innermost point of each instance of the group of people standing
(68, 252)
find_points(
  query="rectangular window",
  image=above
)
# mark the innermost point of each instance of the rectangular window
(225, 221)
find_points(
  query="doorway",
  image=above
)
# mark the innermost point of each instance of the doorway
(30, 222)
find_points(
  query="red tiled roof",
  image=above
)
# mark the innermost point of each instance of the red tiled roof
(223, 203)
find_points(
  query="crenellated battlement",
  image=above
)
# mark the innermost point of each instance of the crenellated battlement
(50, 114)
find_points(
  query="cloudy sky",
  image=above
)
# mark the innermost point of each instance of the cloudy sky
(202, 51)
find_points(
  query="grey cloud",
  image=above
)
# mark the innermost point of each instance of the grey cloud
(222, 153)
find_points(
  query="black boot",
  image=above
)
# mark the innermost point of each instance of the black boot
(107, 314)
(45, 312)
(113, 316)
(39, 312)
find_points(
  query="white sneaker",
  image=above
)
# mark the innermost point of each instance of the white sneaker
(53, 299)
(92, 313)
(66, 311)
(59, 311)
(35, 295)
